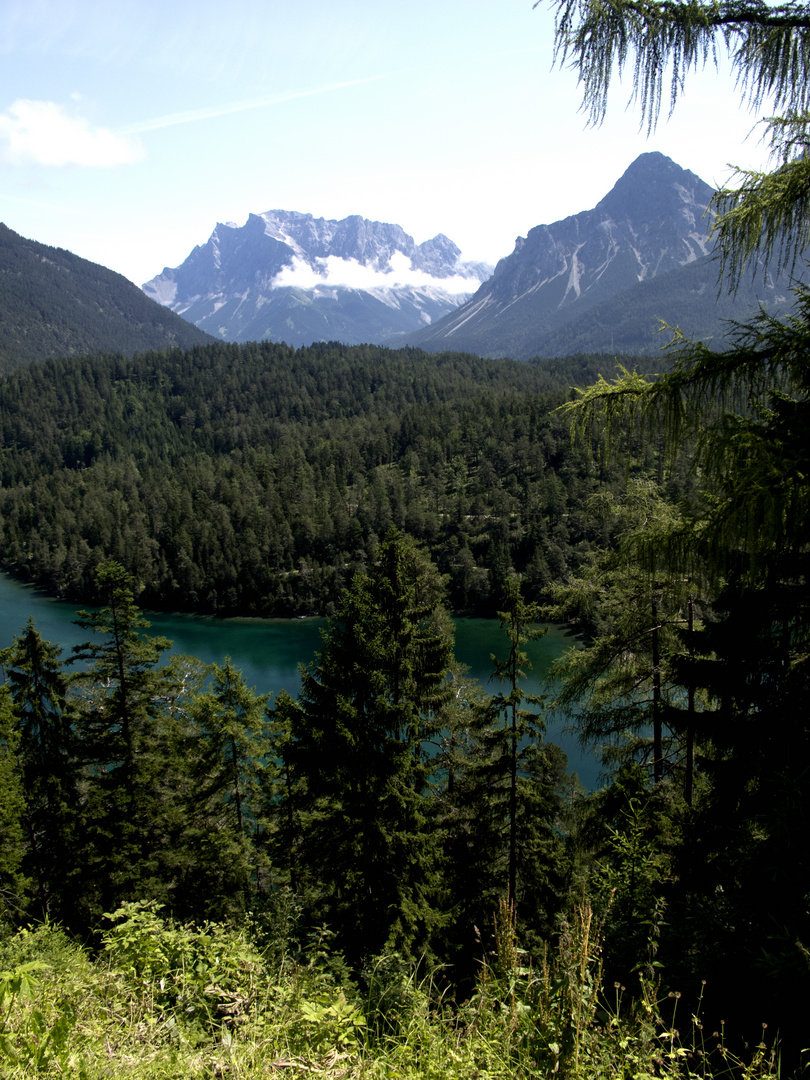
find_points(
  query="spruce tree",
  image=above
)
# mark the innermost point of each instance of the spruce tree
(369, 708)
(120, 730)
(46, 749)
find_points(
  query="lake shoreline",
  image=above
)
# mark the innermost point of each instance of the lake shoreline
(270, 651)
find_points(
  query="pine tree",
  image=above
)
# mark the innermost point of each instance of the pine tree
(369, 707)
(120, 729)
(46, 749)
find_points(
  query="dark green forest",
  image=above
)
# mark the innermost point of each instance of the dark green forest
(256, 479)
(53, 303)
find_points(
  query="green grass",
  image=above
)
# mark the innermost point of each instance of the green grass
(163, 1001)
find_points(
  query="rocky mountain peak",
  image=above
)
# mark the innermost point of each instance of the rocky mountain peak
(653, 221)
(251, 281)
(655, 187)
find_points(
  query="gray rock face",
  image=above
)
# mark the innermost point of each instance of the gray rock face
(292, 277)
(653, 222)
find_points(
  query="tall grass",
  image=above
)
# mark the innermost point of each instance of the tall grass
(165, 1001)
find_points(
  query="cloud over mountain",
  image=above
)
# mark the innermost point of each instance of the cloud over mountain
(336, 272)
(292, 277)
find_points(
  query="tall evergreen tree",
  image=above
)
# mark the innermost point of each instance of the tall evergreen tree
(229, 751)
(284, 793)
(743, 417)
(521, 724)
(623, 677)
(369, 708)
(120, 730)
(13, 885)
(501, 806)
(46, 748)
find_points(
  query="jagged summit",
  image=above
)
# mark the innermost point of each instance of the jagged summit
(653, 221)
(290, 276)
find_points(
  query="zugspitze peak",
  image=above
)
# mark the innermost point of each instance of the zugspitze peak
(290, 276)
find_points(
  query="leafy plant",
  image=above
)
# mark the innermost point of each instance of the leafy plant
(204, 976)
(29, 1039)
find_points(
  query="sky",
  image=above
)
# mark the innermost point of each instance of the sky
(129, 129)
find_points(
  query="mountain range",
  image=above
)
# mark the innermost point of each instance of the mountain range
(595, 282)
(55, 304)
(604, 279)
(287, 276)
(598, 281)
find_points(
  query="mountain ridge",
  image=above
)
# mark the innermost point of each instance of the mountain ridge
(654, 225)
(55, 304)
(289, 275)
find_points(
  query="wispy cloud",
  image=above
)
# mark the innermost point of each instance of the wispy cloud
(45, 133)
(173, 119)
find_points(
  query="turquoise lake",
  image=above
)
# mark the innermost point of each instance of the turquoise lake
(269, 651)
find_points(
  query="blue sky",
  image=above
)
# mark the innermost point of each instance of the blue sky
(128, 130)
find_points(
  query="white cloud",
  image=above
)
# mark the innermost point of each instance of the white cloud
(44, 133)
(333, 271)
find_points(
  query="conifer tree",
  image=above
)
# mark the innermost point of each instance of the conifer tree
(284, 793)
(471, 821)
(120, 730)
(631, 611)
(46, 749)
(521, 724)
(501, 806)
(13, 885)
(369, 707)
(229, 749)
(742, 419)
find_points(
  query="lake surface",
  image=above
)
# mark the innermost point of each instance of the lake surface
(269, 651)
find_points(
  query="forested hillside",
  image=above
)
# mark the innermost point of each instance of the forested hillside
(53, 303)
(257, 478)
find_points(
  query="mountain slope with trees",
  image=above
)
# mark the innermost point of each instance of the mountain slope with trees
(54, 304)
(255, 479)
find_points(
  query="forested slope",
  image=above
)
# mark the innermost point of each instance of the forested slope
(257, 478)
(53, 303)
